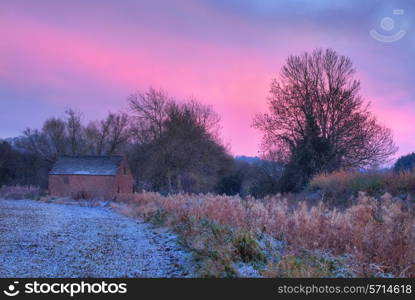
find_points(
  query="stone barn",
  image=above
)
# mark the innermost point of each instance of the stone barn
(90, 176)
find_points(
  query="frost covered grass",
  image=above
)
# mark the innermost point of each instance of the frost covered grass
(19, 192)
(70, 241)
(374, 237)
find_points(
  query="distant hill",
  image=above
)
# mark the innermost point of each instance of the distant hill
(248, 159)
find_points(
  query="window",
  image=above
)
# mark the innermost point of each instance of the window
(118, 189)
(66, 180)
(125, 170)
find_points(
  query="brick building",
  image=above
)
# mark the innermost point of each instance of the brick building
(90, 176)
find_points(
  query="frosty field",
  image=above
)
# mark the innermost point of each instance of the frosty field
(54, 240)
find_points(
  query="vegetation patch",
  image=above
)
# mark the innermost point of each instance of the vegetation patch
(19, 192)
(310, 264)
(341, 187)
(376, 234)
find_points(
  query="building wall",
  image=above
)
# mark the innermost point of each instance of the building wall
(88, 185)
(124, 179)
(101, 186)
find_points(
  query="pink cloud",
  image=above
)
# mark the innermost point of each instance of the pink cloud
(82, 67)
(232, 81)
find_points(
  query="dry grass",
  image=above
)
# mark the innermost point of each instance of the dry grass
(338, 187)
(378, 233)
(19, 192)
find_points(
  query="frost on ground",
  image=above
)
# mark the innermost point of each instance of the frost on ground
(53, 240)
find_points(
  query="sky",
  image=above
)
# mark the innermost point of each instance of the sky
(91, 55)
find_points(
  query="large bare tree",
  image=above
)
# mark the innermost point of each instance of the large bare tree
(318, 121)
(177, 146)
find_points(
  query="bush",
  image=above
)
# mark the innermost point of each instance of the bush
(256, 179)
(376, 232)
(340, 187)
(19, 192)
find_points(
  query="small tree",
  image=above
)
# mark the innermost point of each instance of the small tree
(318, 122)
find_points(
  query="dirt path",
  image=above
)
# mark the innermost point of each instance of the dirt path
(52, 240)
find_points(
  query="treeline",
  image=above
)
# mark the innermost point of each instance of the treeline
(21, 167)
(27, 159)
(317, 123)
(172, 146)
(405, 163)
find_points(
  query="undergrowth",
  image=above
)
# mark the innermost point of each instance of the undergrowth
(373, 237)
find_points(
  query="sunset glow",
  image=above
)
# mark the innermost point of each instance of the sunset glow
(90, 55)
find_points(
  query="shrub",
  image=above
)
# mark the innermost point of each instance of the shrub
(80, 195)
(313, 264)
(19, 192)
(339, 187)
(247, 247)
(377, 232)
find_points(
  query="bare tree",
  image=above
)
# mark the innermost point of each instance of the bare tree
(177, 144)
(205, 116)
(119, 132)
(75, 132)
(108, 136)
(150, 111)
(96, 133)
(317, 121)
(55, 137)
(35, 142)
(69, 136)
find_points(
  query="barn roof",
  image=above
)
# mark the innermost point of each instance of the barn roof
(86, 165)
